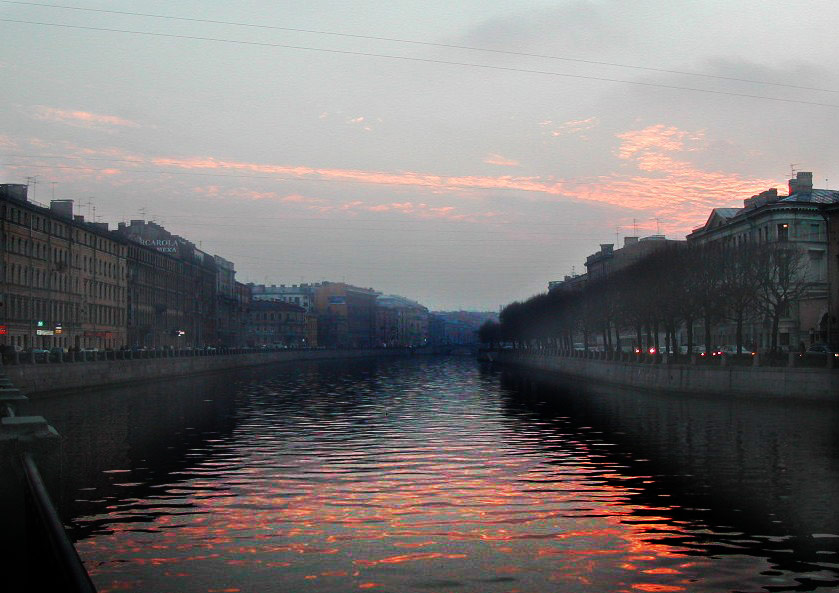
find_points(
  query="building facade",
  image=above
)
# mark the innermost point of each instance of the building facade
(63, 279)
(797, 223)
(301, 295)
(831, 215)
(276, 323)
(403, 321)
(180, 308)
(610, 260)
(346, 315)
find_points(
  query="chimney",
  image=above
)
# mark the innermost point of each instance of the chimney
(78, 218)
(62, 208)
(629, 241)
(803, 182)
(14, 191)
(606, 247)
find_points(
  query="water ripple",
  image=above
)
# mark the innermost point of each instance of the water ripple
(429, 475)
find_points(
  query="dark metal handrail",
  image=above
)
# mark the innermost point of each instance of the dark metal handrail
(62, 548)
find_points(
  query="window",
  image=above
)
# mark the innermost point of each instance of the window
(783, 232)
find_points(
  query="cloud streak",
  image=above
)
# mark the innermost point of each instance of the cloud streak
(80, 118)
(501, 161)
(653, 177)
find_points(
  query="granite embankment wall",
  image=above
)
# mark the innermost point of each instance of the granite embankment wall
(39, 378)
(729, 381)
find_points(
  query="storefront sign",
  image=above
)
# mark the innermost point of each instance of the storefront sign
(44, 332)
(90, 334)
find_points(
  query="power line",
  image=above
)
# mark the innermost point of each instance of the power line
(422, 43)
(421, 60)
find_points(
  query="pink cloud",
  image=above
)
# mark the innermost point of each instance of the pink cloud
(80, 118)
(668, 187)
(651, 139)
(497, 159)
(209, 190)
(655, 178)
(419, 210)
(572, 127)
(663, 181)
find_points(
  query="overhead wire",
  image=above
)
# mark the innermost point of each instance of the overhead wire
(420, 43)
(423, 60)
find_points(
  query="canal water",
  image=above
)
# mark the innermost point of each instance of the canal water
(437, 474)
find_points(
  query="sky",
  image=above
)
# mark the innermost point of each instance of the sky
(462, 154)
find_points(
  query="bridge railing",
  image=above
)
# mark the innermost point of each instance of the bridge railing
(39, 553)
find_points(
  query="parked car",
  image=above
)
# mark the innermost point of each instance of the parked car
(731, 349)
(39, 353)
(822, 350)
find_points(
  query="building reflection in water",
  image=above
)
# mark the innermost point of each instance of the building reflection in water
(430, 474)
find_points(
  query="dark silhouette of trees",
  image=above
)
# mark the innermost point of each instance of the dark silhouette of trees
(661, 293)
(782, 280)
(740, 283)
(490, 333)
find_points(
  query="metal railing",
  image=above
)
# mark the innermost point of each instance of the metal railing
(51, 556)
(63, 552)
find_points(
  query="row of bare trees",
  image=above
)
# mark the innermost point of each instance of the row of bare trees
(675, 287)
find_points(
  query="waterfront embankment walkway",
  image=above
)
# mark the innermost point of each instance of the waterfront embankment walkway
(657, 375)
(51, 374)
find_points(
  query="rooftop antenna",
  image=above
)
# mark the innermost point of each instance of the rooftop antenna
(142, 212)
(53, 184)
(33, 181)
(792, 169)
(89, 204)
(635, 226)
(657, 226)
(617, 232)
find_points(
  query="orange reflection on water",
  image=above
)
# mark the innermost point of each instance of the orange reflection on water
(656, 588)
(409, 558)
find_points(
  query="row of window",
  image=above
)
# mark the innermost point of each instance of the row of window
(60, 312)
(38, 250)
(45, 224)
(296, 317)
(44, 279)
(782, 231)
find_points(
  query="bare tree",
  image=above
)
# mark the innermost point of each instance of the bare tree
(740, 285)
(781, 269)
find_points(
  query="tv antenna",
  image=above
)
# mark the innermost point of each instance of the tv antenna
(33, 181)
(792, 169)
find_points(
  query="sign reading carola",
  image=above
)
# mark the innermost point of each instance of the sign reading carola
(162, 245)
(154, 236)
